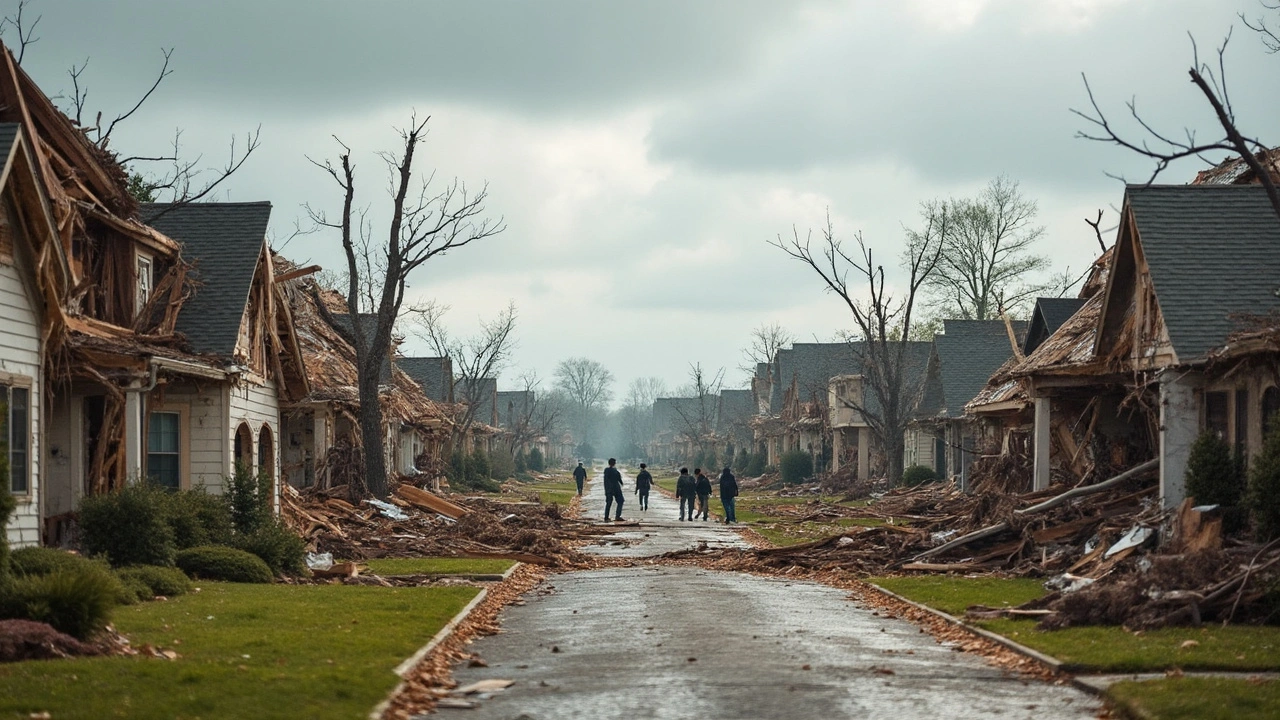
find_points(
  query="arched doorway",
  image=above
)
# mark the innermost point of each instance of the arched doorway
(242, 452)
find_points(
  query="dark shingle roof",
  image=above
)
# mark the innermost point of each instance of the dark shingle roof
(1213, 251)
(734, 412)
(1047, 317)
(433, 374)
(812, 365)
(675, 414)
(484, 391)
(223, 241)
(969, 351)
(513, 404)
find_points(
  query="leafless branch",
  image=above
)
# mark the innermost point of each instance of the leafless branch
(24, 32)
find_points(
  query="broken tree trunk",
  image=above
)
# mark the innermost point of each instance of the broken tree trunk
(1089, 489)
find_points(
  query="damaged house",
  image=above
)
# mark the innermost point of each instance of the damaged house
(1177, 336)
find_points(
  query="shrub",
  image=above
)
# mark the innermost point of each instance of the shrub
(216, 562)
(7, 504)
(918, 475)
(198, 518)
(129, 526)
(756, 465)
(76, 601)
(502, 465)
(166, 581)
(537, 463)
(133, 590)
(457, 470)
(521, 462)
(248, 499)
(742, 461)
(477, 467)
(282, 550)
(45, 561)
(796, 467)
(1263, 495)
(1213, 476)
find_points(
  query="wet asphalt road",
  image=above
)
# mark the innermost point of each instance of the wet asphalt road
(673, 642)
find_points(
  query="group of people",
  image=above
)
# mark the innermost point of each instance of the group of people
(693, 491)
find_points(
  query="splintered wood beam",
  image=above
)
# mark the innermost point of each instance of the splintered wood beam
(1090, 489)
(297, 273)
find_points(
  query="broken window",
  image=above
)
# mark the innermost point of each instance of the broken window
(1215, 412)
(266, 452)
(16, 434)
(162, 449)
(144, 282)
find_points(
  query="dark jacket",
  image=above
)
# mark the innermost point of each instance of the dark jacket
(644, 481)
(685, 486)
(728, 485)
(612, 480)
(703, 485)
(579, 473)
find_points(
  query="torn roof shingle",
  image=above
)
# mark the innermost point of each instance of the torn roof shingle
(969, 351)
(1213, 252)
(223, 241)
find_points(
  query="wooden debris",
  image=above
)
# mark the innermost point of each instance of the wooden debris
(425, 500)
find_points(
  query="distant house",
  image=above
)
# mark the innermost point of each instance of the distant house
(433, 374)
(734, 411)
(966, 353)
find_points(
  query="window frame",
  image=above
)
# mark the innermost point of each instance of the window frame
(184, 457)
(142, 290)
(8, 383)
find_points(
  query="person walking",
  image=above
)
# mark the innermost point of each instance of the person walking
(580, 476)
(612, 490)
(686, 493)
(728, 495)
(702, 486)
(644, 481)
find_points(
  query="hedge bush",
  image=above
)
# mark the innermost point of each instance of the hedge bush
(166, 581)
(1212, 475)
(43, 561)
(918, 475)
(502, 465)
(536, 462)
(129, 526)
(198, 518)
(217, 562)
(796, 466)
(75, 601)
(276, 545)
(133, 590)
(248, 498)
(1263, 495)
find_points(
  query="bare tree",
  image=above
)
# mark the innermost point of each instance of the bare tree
(637, 414)
(1164, 148)
(879, 316)
(477, 359)
(697, 419)
(986, 253)
(589, 385)
(537, 415)
(766, 340)
(427, 223)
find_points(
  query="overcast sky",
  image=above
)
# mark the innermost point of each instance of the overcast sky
(644, 153)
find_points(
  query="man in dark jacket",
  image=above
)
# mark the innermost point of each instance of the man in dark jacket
(728, 495)
(612, 489)
(703, 486)
(580, 476)
(686, 492)
(644, 481)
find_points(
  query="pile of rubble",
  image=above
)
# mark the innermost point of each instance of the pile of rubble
(1094, 544)
(416, 523)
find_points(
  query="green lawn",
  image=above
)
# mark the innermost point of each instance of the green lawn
(952, 594)
(1197, 699)
(438, 566)
(1097, 649)
(559, 493)
(260, 651)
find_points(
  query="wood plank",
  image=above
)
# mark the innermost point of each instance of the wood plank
(430, 501)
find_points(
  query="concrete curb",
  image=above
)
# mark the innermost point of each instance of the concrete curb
(441, 635)
(1047, 661)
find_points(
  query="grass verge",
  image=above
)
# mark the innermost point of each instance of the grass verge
(1197, 698)
(438, 566)
(1097, 648)
(261, 651)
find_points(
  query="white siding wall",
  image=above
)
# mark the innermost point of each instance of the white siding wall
(255, 405)
(203, 435)
(20, 355)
